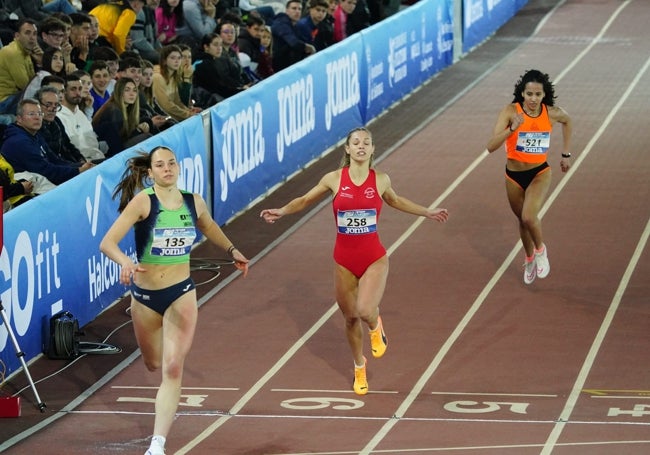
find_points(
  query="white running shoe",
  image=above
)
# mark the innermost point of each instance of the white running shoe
(530, 271)
(155, 449)
(543, 266)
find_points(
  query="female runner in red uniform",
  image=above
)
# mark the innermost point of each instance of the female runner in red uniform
(361, 264)
(525, 126)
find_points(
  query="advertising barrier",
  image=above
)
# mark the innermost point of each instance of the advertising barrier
(481, 18)
(232, 155)
(51, 261)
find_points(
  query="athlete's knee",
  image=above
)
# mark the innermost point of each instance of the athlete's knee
(152, 364)
(529, 220)
(174, 368)
(351, 320)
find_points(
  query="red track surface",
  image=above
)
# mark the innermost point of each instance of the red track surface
(478, 362)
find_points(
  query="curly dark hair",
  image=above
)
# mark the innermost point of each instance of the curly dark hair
(539, 77)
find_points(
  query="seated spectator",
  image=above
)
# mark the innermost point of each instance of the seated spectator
(111, 59)
(170, 21)
(80, 32)
(186, 70)
(248, 40)
(118, 121)
(315, 28)
(350, 17)
(17, 66)
(67, 22)
(199, 18)
(288, 48)
(14, 192)
(149, 111)
(99, 78)
(53, 130)
(167, 82)
(27, 151)
(228, 32)
(130, 67)
(265, 64)
(76, 124)
(54, 81)
(52, 33)
(144, 32)
(207, 87)
(96, 41)
(52, 65)
(87, 100)
(116, 20)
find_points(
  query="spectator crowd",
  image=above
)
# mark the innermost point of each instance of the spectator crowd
(82, 80)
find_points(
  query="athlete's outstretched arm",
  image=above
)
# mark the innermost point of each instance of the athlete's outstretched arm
(406, 205)
(329, 183)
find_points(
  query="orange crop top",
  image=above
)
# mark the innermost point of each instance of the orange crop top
(531, 141)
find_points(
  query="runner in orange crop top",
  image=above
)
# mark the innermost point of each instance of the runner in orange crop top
(361, 263)
(524, 126)
(531, 140)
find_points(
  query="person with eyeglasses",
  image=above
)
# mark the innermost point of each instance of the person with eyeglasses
(232, 76)
(27, 151)
(51, 33)
(53, 130)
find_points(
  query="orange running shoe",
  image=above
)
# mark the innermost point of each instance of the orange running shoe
(378, 340)
(360, 385)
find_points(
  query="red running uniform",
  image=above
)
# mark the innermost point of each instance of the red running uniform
(356, 213)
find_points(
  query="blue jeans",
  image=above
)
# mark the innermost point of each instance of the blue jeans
(9, 104)
(59, 6)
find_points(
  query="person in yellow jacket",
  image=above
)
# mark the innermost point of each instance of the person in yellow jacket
(17, 64)
(116, 19)
(15, 192)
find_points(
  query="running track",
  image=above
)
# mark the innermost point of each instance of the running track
(478, 363)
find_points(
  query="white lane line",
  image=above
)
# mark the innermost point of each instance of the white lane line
(333, 309)
(591, 356)
(480, 449)
(493, 394)
(446, 347)
(299, 343)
